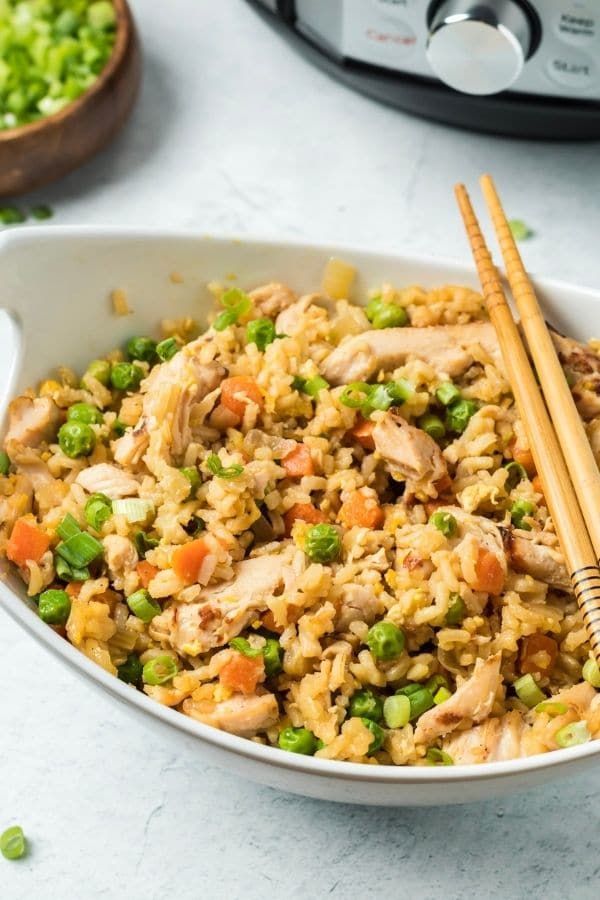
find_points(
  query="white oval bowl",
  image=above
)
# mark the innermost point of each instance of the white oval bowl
(56, 295)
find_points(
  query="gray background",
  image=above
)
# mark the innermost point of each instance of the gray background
(234, 132)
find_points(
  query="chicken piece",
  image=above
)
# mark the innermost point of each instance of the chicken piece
(493, 741)
(409, 451)
(473, 701)
(447, 348)
(222, 611)
(359, 604)
(271, 299)
(239, 714)
(107, 479)
(290, 321)
(582, 368)
(121, 558)
(170, 393)
(579, 696)
(487, 533)
(29, 423)
(536, 554)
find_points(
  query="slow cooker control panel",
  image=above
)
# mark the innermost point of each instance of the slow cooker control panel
(547, 47)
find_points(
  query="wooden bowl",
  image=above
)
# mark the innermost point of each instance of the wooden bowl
(47, 149)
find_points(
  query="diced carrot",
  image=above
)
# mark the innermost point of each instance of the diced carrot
(363, 510)
(305, 511)
(298, 462)
(524, 457)
(146, 572)
(238, 391)
(187, 560)
(537, 485)
(73, 588)
(27, 542)
(268, 621)
(242, 673)
(489, 573)
(363, 432)
(538, 653)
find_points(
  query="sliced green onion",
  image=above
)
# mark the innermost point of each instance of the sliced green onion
(444, 522)
(552, 708)
(520, 230)
(573, 734)
(236, 304)
(67, 573)
(119, 428)
(54, 607)
(437, 757)
(399, 391)
(214, 465)
(312, 386)
(12, 843)
(447, 393)
(143, 543)
(131, 670)
(43, 211)
(356, 394)
(515, 474)
(243, 646)
(378, 735)
(143, 605)
(68, 527)
(591, 673)
(167, 349)
(432, 425)
(441, 695)
(420, 702)
(456, 609)
(435, 682)
(528, 692)
(98, 510)
(133, 508)
(408, 689)
(518, 511)
(193, 476)
(80, 550)
(260, 332)
(160, 670)
(4, 463)
(396, 711)
(458, 415)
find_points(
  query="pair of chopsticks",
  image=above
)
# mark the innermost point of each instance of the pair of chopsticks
(558, 442)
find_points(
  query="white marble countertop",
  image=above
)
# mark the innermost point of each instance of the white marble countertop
(234, 132)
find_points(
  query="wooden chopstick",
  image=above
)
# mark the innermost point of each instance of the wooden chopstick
(577, 451)
(558, 490)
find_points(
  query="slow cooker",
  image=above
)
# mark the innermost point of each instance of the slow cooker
(529, 68)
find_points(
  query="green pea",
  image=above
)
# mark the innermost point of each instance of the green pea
(444, 522)
(378, 735)
(385, 315)
(518, 511)
(385, 640)
(458, 415)
(447, 393)
(323, 543)
(366, 705)
(131, 670)
(76, 439)
(142, 348)
(98, 369)
(43, 211)
(456, 609)
(54, 607)
(85, 412)
(193, 476)
(11, 215)
(432, 425)
(272, 655)
(125, 376)
(297, 740)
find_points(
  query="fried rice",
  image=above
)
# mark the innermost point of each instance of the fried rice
(317, 525)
